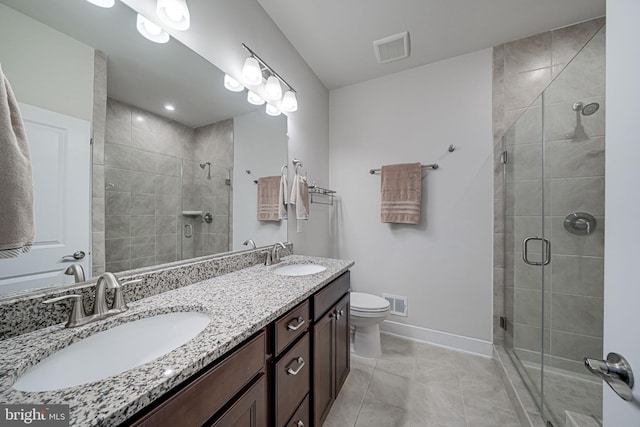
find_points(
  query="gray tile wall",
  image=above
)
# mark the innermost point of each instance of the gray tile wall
(99, 129)
(574, 181)
(142, 166)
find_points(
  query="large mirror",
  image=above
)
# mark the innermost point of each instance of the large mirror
(171, 172)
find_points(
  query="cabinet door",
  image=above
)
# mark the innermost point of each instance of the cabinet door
(250, 410)
(342, 342)
(323, 367)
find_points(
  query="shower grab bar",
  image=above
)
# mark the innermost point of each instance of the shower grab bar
(546, 255)
(433, 166)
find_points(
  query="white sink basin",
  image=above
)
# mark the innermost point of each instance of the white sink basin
(113, 351)
(299, 269)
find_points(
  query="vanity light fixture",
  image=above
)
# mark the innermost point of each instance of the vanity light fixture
(151, 31)
(232, 84)
(255, 70)
(289, 102)
(174, 13)
(103, 3)
(254, 98)
(251, 72)
(272, 89)
(169, 107)
(272, 110)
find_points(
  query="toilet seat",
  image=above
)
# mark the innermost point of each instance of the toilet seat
(362, 303)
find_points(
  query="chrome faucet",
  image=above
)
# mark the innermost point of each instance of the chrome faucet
(77, 317)
(273, 257)
(249, 242)
(76, 271)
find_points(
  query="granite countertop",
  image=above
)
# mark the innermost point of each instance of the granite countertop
(239, 304)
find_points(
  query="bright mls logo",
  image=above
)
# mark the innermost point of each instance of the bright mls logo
(34, 415)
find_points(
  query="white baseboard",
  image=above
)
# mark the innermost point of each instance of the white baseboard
(443, 339)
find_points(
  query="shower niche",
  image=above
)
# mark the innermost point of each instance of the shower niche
(554, 238)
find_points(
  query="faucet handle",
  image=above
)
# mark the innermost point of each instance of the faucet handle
(77, 309)
(119, 304)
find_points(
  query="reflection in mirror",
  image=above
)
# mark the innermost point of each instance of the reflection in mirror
(167, 185)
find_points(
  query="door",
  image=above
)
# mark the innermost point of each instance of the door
(323, 367)
(250, 410)
(61, 157)
(342, 340)
(622, 284)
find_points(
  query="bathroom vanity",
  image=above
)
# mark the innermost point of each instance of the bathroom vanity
(276, 353)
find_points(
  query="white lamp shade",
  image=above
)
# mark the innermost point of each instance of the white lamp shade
(232, 84)
(289, 102)
(272, 111)
(174, 13)
(251, 71)
(273, 90)
(254, 98)
(103, 3)
(151, 31)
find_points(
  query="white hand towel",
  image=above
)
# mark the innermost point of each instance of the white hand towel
(282, 198)
(17, 228)
(300, 198)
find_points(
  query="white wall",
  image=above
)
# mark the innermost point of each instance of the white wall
(260, 145)
(217, 31)
(622, 293)
(444, 264)
(45, 67)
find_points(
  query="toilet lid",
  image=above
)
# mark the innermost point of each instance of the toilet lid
(367, 302)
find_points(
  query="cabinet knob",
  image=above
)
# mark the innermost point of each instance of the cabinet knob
(299, 424)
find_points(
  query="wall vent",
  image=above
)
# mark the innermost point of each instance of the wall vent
(392, 48)
(398, 305)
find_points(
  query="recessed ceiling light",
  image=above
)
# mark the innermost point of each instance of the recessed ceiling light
(169, 107)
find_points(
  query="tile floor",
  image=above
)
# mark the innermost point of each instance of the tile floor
(421, 385)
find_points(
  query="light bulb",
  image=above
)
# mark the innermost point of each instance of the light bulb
(150, 30)
(251, 71)
(232, 84)
(273, 90)
(174, 13)
(169, 107)
(289, 102)
(272, 111)
(103, 3)
(254, 98)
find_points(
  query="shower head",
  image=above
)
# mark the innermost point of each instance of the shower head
(586, 110)
(589, 109)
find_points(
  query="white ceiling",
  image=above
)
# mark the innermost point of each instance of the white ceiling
(335, 37)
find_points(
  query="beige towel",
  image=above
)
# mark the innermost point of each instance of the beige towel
(401, 191)
(17, 229)
(268, 200)
(283, 200)
(300, 196)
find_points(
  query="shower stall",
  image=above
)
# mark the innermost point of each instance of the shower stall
(206, 209)
(554, 238)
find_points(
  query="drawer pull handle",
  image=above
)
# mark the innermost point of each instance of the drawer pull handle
(300, 321)
(301, 361)
(299, 424)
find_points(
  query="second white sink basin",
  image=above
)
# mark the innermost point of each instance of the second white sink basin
(113, 351)
(299, 269)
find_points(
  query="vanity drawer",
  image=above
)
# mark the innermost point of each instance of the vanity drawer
(326, 298)
(291, 326)
(199, 400)
(292, 379)
(302, 417)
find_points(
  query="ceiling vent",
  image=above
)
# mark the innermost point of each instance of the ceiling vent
(392, 48)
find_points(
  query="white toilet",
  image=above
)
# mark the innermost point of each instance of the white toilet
(367, 311)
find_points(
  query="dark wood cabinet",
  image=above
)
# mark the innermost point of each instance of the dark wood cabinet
(331, 347)
(249, 410)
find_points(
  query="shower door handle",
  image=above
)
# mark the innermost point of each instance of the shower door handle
(546, 255)
(615, 371)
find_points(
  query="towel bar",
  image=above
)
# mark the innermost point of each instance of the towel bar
(433, 166)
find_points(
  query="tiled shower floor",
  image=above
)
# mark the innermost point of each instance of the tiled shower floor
(420, 385)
